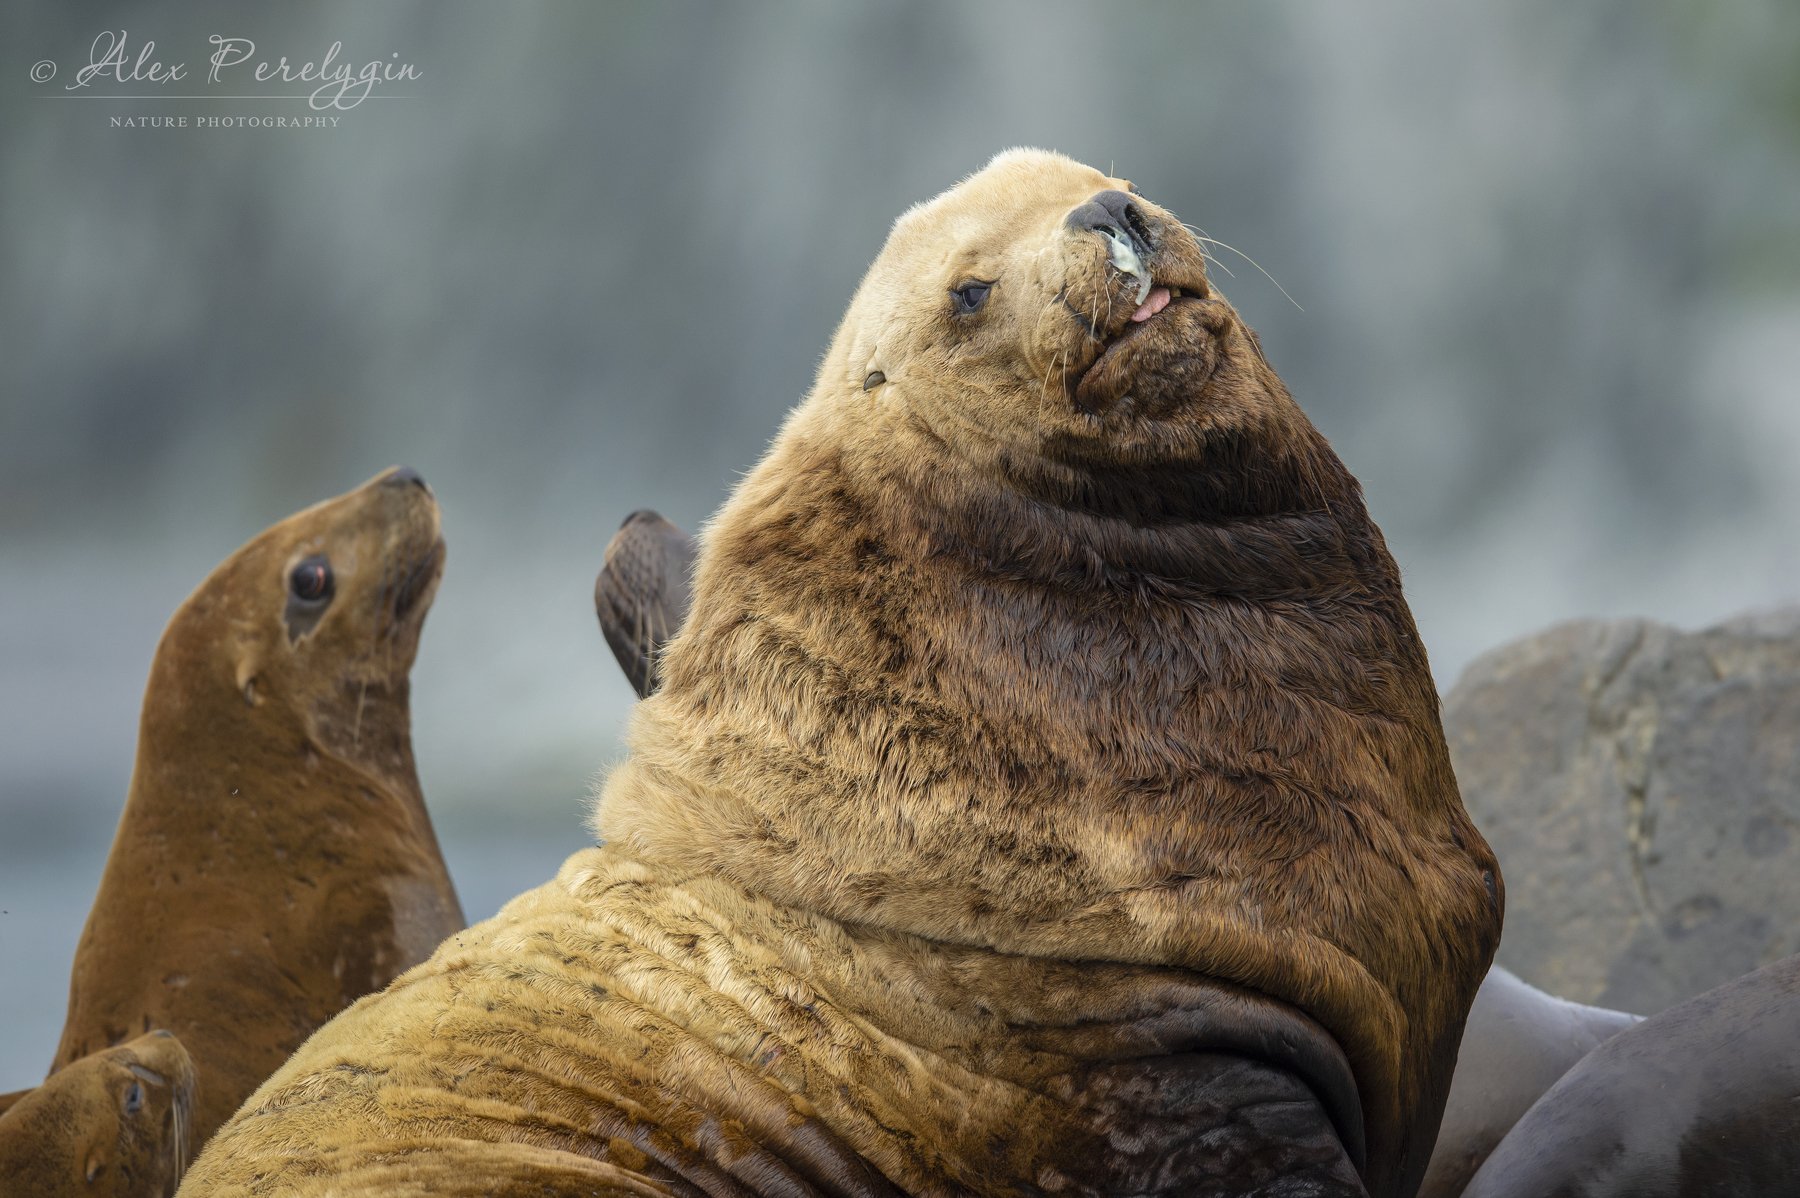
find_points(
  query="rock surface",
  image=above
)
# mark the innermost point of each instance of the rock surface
(1641, 785)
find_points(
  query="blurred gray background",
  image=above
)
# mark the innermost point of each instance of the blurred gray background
(1546, 257)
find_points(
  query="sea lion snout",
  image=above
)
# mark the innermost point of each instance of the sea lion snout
(1113, 213)
(404, 476)
(1130, 243)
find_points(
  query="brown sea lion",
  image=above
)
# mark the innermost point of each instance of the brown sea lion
(1045, 794)
(1699, 1101)
(115, 1124)
(643, 592)
(274, 861)
(1517, 1043)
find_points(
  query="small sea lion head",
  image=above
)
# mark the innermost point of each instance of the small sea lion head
(1043, 315)
(115, 1123)
(315, 621)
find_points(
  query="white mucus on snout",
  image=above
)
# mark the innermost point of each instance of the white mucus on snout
(1125, 259)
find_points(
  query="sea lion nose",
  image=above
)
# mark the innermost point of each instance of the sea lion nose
(400, 476)
(1112, 213)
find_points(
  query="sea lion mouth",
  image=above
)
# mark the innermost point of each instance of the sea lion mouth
(1152, 320)
(418, 580)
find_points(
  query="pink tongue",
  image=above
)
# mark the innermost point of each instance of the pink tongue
(1159, 299)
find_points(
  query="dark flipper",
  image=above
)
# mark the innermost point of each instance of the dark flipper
(642, 593)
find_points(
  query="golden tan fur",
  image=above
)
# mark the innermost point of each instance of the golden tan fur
(1046, 690)
(115, 1124)
(274, 861)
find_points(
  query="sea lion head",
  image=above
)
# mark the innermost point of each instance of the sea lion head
(1057, 330)
(1050, 625)
(116, 1122)
(309, 630)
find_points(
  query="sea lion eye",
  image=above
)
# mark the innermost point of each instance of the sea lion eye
(134, 1098)
(971, 295)
(311, 580)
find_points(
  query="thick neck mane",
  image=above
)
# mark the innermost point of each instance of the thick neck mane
(914, 696)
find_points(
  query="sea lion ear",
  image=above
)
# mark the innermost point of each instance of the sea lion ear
(95, 1163)
(246, 678)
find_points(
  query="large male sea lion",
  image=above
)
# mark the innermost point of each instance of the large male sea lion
(1045, 794)
(1516, 1043)
(274, 861)
(1699, 1101)
(114, 1124)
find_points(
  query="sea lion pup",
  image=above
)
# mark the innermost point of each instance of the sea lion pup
(642, 593)
(1518, 1041)
(274, 861)
(115, 1124)
(1045, 794)
(1698, 1101)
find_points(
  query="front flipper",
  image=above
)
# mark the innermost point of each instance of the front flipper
(642, 593)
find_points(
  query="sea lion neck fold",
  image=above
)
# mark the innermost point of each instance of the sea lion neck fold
(1072, 639)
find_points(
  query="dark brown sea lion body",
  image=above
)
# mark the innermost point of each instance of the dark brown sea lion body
(1045, 794)
(1702, 1099)
(1517, 1043)
(274, 861)
(115, 1124)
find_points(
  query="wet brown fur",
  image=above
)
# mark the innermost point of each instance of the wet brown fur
(274, 861)
(1047, 684)
(115, 1124)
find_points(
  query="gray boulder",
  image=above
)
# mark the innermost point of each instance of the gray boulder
(1641, 785)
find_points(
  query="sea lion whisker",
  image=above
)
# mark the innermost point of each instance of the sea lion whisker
(179, 1109)
(1087, 322)
(1252, 261)
(1058, 368)
(1044, 385)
